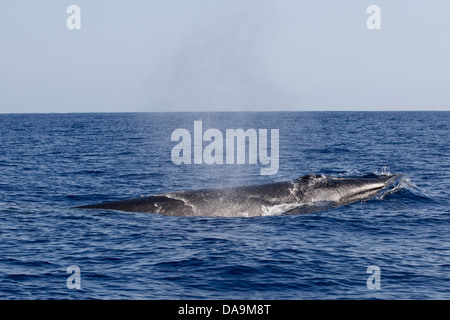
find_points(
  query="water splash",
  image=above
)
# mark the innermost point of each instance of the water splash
(383, 171)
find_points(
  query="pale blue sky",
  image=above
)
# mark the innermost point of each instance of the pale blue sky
(219, 55)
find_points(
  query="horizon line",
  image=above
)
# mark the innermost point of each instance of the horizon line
(225, 111)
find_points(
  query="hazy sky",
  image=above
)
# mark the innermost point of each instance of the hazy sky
(204, 55)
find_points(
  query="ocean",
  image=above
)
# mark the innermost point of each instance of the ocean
(391, 247)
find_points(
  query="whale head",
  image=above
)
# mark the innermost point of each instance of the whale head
(342, 190)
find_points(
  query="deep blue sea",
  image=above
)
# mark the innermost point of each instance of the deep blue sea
(50, 163)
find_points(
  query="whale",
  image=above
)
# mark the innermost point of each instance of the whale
(310, 193)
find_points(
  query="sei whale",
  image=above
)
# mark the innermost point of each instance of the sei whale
(310, 193)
